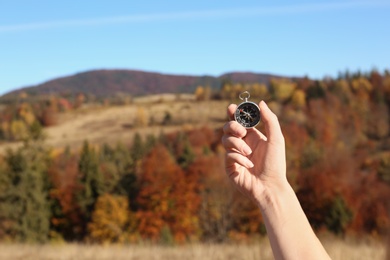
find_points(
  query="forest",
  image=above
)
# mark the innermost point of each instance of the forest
(171, 188)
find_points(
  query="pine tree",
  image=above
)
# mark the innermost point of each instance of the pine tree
(24, 202)
(137, 149)
(118, 171)
(91, 180)
(187, 156)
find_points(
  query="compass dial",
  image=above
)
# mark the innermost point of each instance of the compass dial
(247, 114)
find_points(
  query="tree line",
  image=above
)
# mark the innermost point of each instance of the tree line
(172, 189)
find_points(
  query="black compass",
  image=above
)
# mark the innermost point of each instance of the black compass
(247, 113)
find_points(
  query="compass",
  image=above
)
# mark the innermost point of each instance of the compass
(247, 113)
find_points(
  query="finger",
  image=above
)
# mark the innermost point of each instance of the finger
(236, 144)
(234, 128)
(230, 111)
(271, 122)
(233, 157)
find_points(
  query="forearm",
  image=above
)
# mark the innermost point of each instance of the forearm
(288, 229)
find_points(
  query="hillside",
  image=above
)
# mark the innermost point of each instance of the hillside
(119, 123)
(107, 83)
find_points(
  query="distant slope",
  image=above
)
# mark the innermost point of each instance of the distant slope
(106, 83)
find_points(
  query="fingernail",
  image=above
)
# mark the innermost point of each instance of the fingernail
(247, 150)
(249, 164)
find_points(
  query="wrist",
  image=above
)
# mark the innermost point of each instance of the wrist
(275, 195)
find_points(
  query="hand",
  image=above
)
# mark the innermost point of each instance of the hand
(255, 162)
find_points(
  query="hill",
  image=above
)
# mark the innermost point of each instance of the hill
(107, 83)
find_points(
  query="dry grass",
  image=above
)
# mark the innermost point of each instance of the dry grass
(117, 124)
(338, 249)
(351, 249)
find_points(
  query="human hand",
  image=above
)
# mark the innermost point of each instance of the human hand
(255, 162)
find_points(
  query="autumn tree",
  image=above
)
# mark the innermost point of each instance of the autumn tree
(298, 99)
(259, 90)
(282, 89)
(164, 199)
(227, 90)
(111, 220)
(202, 93)
(66, 220)
(19, 130)
(216, 214)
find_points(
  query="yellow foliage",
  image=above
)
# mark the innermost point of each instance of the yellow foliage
(259, 90)
(202, 93)
(19, 130)
(199, 93)
(342, 85)
(55, 152)
(110, 220)
(28, 117)
(361, 84)
(227, 92)
(298, 98)
(25, 112)
(282, 89)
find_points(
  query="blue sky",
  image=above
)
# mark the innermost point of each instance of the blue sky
(41, 40)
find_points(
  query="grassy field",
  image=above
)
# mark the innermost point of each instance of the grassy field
(99, 124)
(338, 249)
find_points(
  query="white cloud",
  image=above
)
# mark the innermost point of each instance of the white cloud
(193, 15)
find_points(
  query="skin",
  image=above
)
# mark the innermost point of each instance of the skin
(256, 164)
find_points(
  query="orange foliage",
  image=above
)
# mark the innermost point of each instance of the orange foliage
(63, 175)
(166, 198)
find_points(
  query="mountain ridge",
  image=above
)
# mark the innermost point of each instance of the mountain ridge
(109, 82)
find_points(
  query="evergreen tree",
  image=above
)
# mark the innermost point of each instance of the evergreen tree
(91, 180)
(187, 156)
(118, 171)
(24, 202)
(150, 143)
(125, 166)
(137, 149)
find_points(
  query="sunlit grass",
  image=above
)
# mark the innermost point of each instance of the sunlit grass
(337, 248)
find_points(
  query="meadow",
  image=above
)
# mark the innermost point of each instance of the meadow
(97, 170)
(337, 248)
(111, 124)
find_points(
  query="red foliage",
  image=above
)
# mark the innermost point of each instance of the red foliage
(166, 198)
(63, 175)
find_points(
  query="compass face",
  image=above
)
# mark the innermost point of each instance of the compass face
(247, 114)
